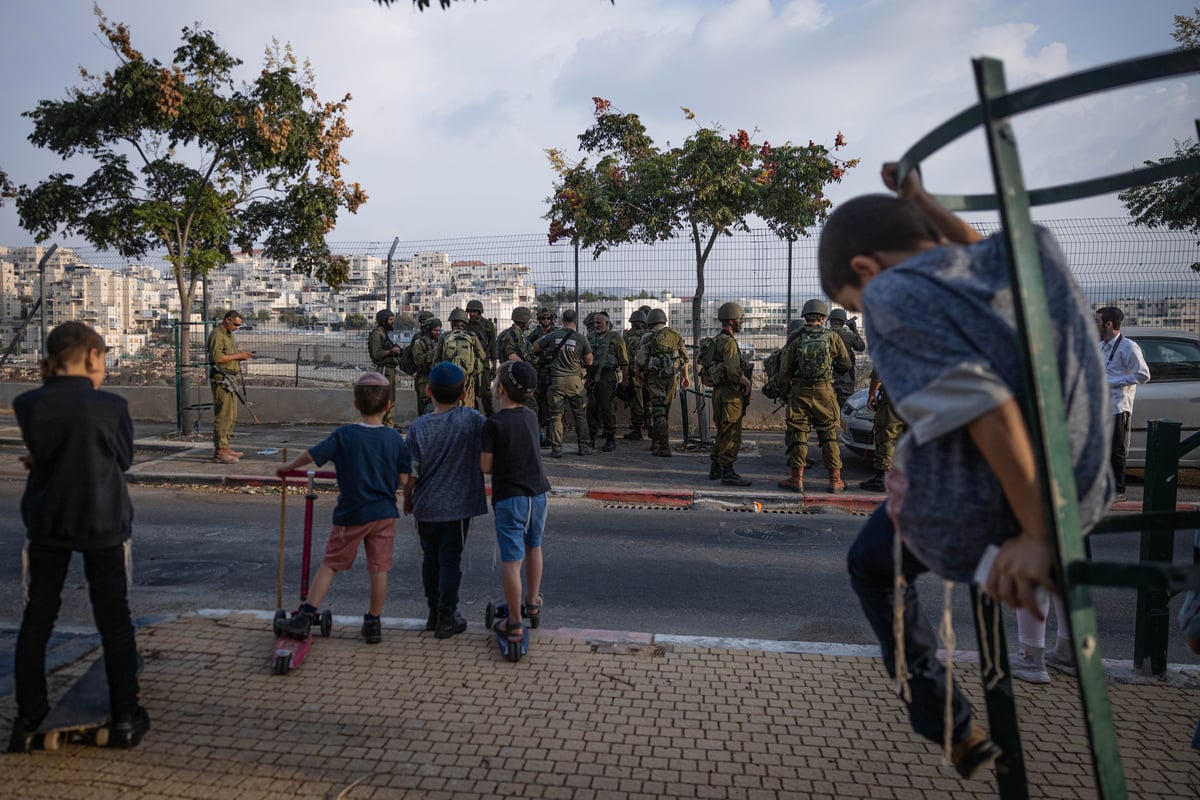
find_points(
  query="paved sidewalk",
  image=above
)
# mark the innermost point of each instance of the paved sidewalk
(584, 715)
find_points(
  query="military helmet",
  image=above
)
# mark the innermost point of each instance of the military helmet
(837, 313)
(432, 323)
(644, 309)
(656, 316)
(458, 315)
(730, 311)
(546, 311)
(521, 314)
(381, 318)
(475, 305)
(638, 316)
(424, 315)
(815, 306)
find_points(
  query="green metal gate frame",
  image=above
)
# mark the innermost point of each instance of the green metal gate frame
(1042, 403)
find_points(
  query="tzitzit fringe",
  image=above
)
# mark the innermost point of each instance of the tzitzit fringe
(948, 644)
(899, 587)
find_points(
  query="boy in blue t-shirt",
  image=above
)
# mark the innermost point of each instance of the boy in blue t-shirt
(510, 454)
(447, 492)
(372, 462)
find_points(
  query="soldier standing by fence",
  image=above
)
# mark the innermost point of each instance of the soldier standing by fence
(888, 429)
(611, 365)
(730, 393)
(485, 329)
(513, 345)
(547, 324)
(569, 353)
(385, 355)
(225, 361)
(661, 361)
(636, 402)
(423, 347)
(846, 384)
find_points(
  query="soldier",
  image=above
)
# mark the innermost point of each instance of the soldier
(423, 349)
(661, 359)
(730, 392)
(462, 348)
(636, 402)
(569, 353)
(888, 428)
(610, 365)
(845, 385)
(806, 370)
(547, 324)
(513, 345)
(385, 355)
(485, 329)
(225, 361)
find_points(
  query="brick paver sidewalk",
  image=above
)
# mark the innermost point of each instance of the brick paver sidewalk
(418, 717)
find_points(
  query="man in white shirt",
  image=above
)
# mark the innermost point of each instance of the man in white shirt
(1126, 368)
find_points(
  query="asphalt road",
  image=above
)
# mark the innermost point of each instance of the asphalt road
(700, 572)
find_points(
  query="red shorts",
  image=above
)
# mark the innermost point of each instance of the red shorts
(377, 538)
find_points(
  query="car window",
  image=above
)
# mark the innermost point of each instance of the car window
(1171, 359)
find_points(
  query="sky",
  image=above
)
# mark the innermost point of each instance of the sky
(453, 110)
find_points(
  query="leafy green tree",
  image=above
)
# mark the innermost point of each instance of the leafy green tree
(406, 321)
(263, 315)
(355, 322)
(1173, 203)
(190, 160)
(7, 190)
(707, 187)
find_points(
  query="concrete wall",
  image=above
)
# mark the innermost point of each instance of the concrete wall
(295, 406)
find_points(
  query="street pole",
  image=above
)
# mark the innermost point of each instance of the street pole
(388, 289)
(42, 292)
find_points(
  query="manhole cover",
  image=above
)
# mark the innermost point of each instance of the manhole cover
(775, 533)
(175, 573)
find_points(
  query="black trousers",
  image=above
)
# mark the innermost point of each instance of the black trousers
(1120, 448)
(108, 590)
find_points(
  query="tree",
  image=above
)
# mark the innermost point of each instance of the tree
(355, 322)
(190, 161)
(263, 315)
(7, 190)
(1173, 203)
(706, 187)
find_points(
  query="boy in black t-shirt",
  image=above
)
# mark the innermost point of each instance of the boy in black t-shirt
(511, 455)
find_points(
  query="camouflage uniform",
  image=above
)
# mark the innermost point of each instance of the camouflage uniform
(515, 341)
(845, 384)
(611, 360)
(566, 385)
(473, 367)
(888, 429)
(542, 394)
(658, 365)
(728, 402)
(812, 403)
(423, 349)
(637, 402)
(485, 329)
(379, 347)
(221, 343)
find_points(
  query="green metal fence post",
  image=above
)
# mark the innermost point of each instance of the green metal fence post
(1153, 619)
(178, 382)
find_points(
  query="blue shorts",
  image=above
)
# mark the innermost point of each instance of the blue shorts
(519, 524)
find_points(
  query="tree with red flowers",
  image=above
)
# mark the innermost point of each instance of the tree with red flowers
(707, 187)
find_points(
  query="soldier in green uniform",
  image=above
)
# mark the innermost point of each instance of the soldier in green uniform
(464, 349)
(636, 402)
(224, 361)
(569, 354)
(485, 329)
(661, 364)
(513, 345)
(730, 391)
(610, 365)
(423, 349)
(547, 324)
(846, 384)
(385, 355)
(888, 429)
(806, 369)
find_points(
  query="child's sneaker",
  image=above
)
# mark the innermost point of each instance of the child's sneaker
(1028, 668)
(449, 624)
(372, 629)
(300, 623)
(1063, 662)
(975, 753)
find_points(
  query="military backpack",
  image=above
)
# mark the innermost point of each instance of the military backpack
(458, 347)
(770, 389)
(405, 361)
(814, 356)
(657, 355)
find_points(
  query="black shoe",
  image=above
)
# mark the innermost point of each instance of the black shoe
(545, 442)
(128, 728)
(731, 478)
(372, 629)
(584, 450)
(591, 442)
(449, 625)
(714, 472)
(21, 740)
(556, 452)
(633, 436)
(431, 622)
(299, 624)
(610, 444)
(873, 484)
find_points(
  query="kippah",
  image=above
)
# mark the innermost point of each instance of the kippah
(520, 374)
(446, 373)
(371, 379)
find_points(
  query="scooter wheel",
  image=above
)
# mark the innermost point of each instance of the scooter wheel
(277, 625)
(489, 615)
(514, 652)
(326, 623)
(52, 740)
(100, 737)
(282, 664)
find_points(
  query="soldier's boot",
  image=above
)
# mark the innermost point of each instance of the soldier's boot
(731, 478)
(664, 451)
(874, 483)
(634, 435)
(714, 472)
(835, 481)
(795, 481)
(610, 444)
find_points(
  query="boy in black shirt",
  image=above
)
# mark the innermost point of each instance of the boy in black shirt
(80, 442)
(511, 455)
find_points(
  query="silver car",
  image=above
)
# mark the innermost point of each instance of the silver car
(1173, 393)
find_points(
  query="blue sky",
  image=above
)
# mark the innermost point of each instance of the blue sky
(452, 110)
